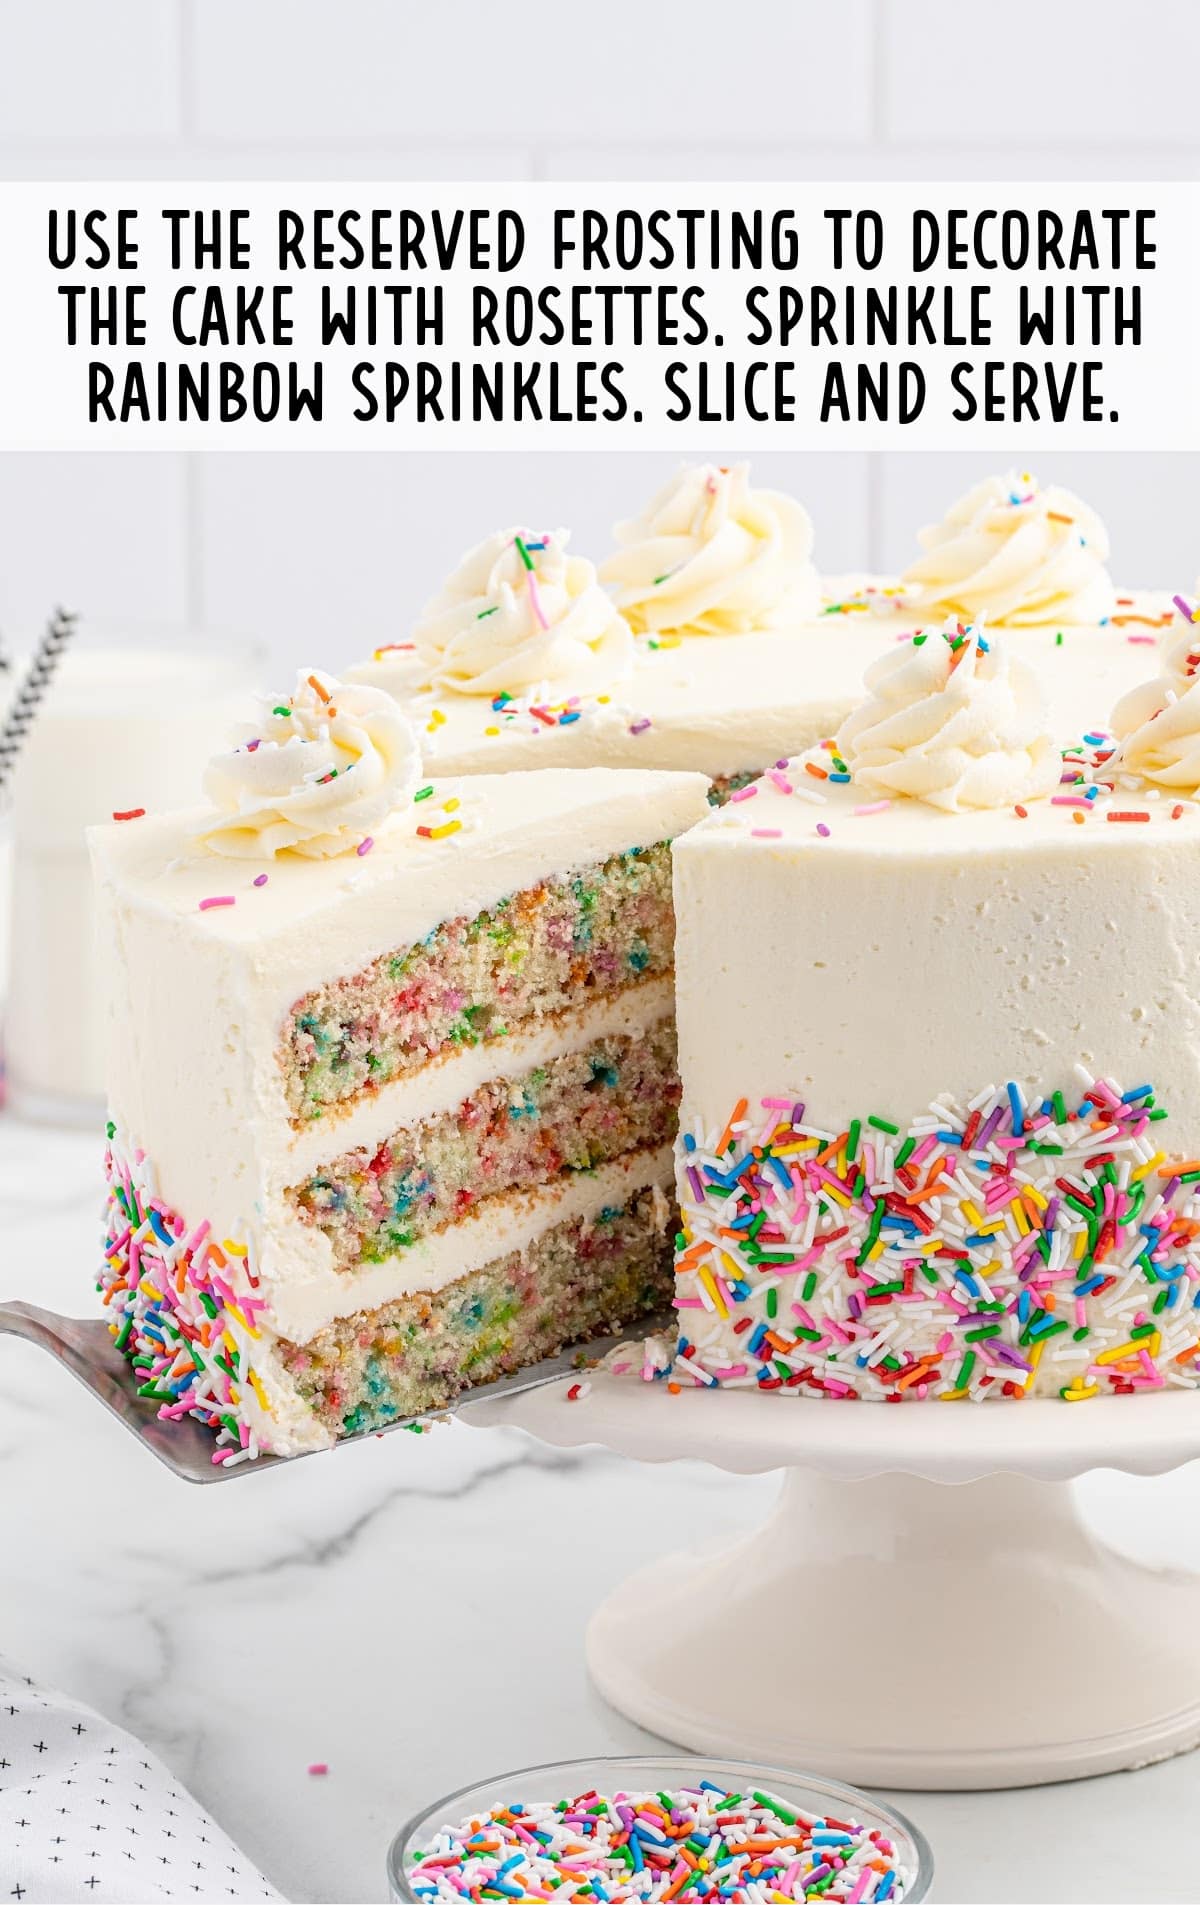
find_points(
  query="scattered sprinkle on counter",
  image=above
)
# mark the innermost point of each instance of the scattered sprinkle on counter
(702, 1842)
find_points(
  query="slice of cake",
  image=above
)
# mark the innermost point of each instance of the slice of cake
(704, 650)
(939, 1034)
(1031, 560)
(392, 1073)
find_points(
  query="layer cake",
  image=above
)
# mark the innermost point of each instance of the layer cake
(392, 1073)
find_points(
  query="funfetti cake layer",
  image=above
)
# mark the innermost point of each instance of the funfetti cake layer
(940, 1129)
(389, 1121)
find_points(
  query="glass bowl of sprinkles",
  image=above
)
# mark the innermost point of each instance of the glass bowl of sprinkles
(655, 1829)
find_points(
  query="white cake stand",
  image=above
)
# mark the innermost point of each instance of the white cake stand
(883, 1626)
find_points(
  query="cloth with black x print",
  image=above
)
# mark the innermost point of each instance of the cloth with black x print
(87, 1812)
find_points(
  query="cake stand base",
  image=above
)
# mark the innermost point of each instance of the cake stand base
(899, 1632)
(925, 1607)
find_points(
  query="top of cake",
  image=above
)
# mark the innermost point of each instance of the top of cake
(953, 724)
(681, 654)
(301, 822)
(705, 642)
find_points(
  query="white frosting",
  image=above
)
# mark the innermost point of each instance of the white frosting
(438, 1090)
(1158, 724)
(318, 772)
(906, 952)
(711, 556)
(1016, 554)
(731, 704)
(198, 999)
(519, 612)
(870, 965)
(1180, 668)
(957, 725)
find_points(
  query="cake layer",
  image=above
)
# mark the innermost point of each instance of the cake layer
(312, 1292)
(462, 1070)
(579, 1110)
(192, 1308)
(474, 980)
(200, 994)
(583, 1276)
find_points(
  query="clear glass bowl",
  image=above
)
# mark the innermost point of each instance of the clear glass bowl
(651, 1773)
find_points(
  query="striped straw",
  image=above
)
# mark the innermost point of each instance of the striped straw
(59, 631)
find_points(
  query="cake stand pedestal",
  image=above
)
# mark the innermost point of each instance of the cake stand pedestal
(924, 1608)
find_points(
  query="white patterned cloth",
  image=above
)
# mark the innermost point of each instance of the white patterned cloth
(87, 1812)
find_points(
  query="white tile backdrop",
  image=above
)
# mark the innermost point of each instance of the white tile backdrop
(323, 554)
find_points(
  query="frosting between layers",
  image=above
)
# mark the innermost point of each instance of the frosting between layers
(1016, 554)
(196, 1307)
(455, 1074)
(711, 556)
(305, 1292)
(198, 999)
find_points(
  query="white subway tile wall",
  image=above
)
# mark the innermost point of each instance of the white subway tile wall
(319, 556)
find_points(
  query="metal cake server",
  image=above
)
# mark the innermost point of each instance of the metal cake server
(84, 1347)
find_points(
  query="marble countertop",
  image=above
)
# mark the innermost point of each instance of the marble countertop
(413, 1613)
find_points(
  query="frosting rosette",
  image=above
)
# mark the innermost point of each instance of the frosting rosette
(711, 556)
(952, 720)
(1158, 724)
(519, 612)
(315, 776)
(1016, 555)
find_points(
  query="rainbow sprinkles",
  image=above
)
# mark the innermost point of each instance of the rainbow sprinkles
(184, 1308)
(699, 1843)
(964, 903)
(432, 1094)
(992, 1249)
